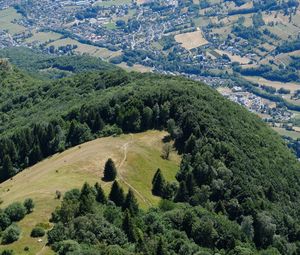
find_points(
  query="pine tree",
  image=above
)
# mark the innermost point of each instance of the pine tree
(100, 195)
(190, 184)
(87, 199)
(158, 183)
(7, 169)
(131, 203)
(116, 194)
(35, 155)
(110, 171)
(182, 193)
(129, 228)
(98, 123)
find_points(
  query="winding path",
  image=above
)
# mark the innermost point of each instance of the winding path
(125, 148)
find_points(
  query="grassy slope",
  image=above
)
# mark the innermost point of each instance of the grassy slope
(137, 157)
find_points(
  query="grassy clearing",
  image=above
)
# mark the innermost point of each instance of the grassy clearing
(292, 86)
(234, 58)
(85, 48)
(284, 132)
(191, 40)
(136, 67)
(43, 37)
(112, 2)
(136, 156)
(7, 17)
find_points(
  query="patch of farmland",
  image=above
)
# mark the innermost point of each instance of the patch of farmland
(234, 58)
(191, 40)
(43, 37)
(85, 48)
(7, 19)
(292, 86)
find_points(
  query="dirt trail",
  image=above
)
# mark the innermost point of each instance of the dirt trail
(125, 148)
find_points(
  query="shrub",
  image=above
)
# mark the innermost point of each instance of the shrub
(29, 205)
(37, 232)
(4, 221)
(7, 252)
(16, 211)
(11, 234)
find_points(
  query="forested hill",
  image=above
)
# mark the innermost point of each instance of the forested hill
(45, 66)
(233, 164)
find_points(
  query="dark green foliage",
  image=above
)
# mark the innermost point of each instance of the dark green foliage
(11, 234)
(37, 232)
(37, 63)
(15, 211)
(7, 168)
(7, 252)
(182, 193)
(87, 199)
(110, 171)
(129, 228)
(116, 194)
(29, 205)
(4, 220)
(174, 229)
(131, 203)
(100, 195)
(161, 249)
(158, 183)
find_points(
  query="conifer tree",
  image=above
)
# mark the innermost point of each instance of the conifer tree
(131, 203)
(110, 171)
(116, 194)
(182, 193)
(190, 184)
(100, 195)
(87, 199)
(35, 155)
(98, 123)
(7, 169)
(129, 228)
(158, 183)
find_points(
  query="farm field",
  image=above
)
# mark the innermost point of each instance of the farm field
(136, 67)
(292, 86)
(284, 132)
(137, 158)
(191, 40)
(234, 58)
(112, 2)
(7, 17)
(85, 48)
(43, 37)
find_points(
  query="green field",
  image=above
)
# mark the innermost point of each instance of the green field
(43, 37)
(112, 2)
(7, 17)
(137, 157)
(86, 49)
(293, 134)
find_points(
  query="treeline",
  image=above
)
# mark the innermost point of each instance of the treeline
(288, 46)
(85, 224)
(36, 62)
(266, 71)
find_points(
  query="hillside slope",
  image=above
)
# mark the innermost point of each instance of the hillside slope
(233, 163)
(137, 157)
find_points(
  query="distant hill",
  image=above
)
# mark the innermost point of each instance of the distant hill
(47, 66)
(233, 165)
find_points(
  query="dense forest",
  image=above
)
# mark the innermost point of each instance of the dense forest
(238, 184)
